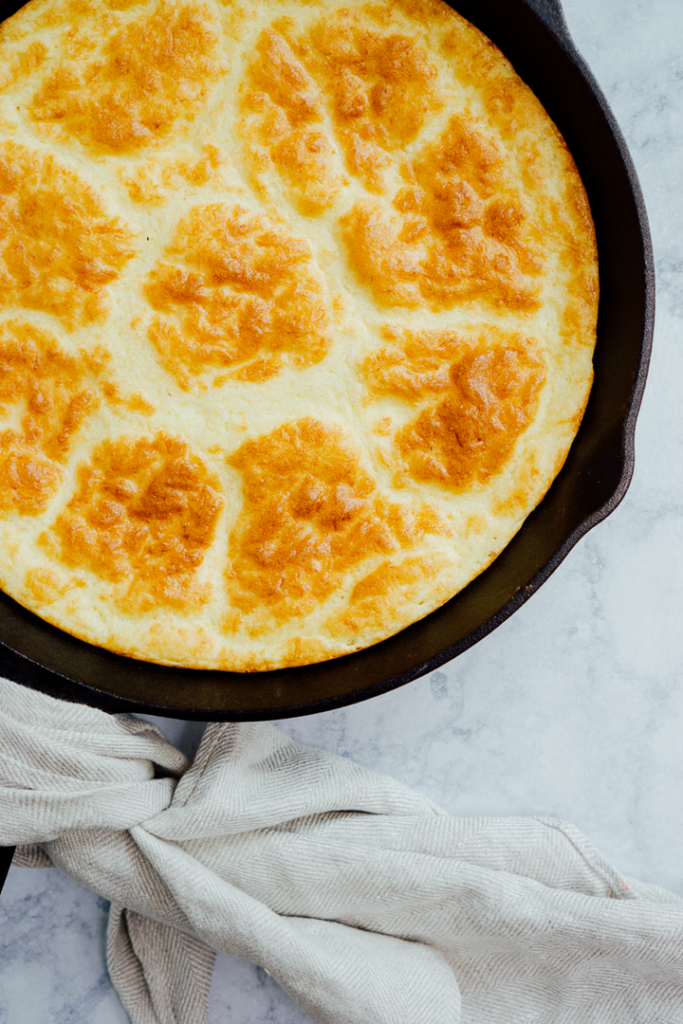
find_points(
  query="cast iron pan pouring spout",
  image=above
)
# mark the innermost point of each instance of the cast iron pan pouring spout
(534, 36)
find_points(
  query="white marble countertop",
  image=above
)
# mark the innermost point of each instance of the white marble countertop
(573, 708)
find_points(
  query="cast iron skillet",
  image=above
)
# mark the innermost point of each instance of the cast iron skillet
(534, 36)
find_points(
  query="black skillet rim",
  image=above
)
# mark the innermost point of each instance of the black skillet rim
(612, 474)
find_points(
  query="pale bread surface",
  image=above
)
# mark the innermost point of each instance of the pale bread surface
(297, 313)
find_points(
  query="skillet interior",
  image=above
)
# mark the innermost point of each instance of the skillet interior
(595, 477)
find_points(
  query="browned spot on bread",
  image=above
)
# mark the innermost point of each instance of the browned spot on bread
(47, 394)
(142, 517)
(479, 64)
(150, 76)
(380, 86)
(153, 181)
(417, 364)
(135, 402)
(65, 13)
(283, 111)
(24, 63)
(138, 403)
(375, 85)
(58, 248)
(311, 515)
(458, 231)
(469, 434)
(374, 598)
(236, 291)
(381, 581)
(45, 586)
(392, 269)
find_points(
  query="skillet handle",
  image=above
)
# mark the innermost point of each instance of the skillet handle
(6, 854)
(551, 14)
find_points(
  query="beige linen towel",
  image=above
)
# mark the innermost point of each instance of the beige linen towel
(364, 901)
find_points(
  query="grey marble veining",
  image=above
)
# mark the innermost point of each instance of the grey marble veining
(573, 708)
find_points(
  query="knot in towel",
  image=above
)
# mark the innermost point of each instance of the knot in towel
(366, 902)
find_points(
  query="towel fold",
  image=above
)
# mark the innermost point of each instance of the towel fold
(365, 901)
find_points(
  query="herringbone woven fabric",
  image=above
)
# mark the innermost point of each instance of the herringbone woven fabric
(366, 903)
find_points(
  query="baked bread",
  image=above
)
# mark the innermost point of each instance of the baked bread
(298, 306)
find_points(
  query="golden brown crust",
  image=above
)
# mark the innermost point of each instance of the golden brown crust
(143, 516)
(238, 292)
(59, 251)
(148, 76)
(48, 394)
(457, 232)
(297, 308)
(283, 109)
(310, 515)
(486, 389)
